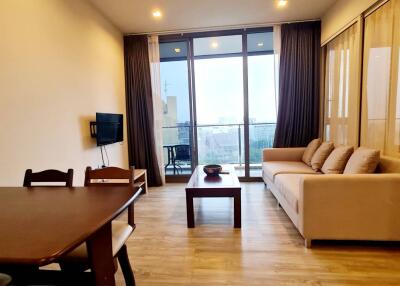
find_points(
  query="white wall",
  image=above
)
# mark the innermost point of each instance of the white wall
(340, 14)
(60, 62)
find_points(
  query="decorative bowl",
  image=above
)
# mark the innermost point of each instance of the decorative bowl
(212, 170)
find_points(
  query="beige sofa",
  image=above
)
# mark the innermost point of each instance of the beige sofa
(335, 207)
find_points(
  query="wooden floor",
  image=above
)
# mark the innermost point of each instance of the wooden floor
(268, 250)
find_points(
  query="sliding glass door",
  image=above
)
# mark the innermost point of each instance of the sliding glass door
(220, 98)
(262, 97)
(177, 135)
(218, 75)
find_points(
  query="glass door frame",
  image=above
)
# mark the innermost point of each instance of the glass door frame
(188, 38)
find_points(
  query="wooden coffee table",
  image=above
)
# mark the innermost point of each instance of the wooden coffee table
(224, 185)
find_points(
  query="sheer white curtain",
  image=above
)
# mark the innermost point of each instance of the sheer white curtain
(342, 92)
(393, 147)
(154, 57)
(377, 59)
(380, 126)
(277, 55)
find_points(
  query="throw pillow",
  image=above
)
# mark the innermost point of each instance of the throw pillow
(320, 155)
(310, 150)
(337, 160)
(363, 161)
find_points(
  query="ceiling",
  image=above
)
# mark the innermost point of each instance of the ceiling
(135, 16)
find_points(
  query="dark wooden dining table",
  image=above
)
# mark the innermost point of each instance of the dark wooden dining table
(39, 225)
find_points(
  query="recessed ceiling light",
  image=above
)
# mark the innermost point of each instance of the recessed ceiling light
(177, 50)
(157, 14)
(282, 3)
(214, 45)
(260, 44)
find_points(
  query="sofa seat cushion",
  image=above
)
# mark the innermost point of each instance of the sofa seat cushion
(273, 168)
(289, 187)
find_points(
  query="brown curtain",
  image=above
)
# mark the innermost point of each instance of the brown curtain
(139, 105)
(299, 85)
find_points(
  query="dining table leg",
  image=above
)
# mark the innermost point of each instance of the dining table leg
(99, 248)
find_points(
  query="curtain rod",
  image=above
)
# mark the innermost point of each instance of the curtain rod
(217, 28)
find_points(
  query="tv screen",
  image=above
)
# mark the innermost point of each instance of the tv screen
(109, 128)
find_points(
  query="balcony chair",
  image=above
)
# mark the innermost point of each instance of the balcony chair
(181, 155)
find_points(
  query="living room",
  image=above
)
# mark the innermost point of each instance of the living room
(200, 142)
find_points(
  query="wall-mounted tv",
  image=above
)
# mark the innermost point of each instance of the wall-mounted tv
(109, 128)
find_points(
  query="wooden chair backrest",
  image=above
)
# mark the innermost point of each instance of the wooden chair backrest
(182, 152)
(49, 176)
(112, 173)
(109, 173)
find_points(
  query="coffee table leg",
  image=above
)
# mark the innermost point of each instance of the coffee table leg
(99, 248)
(237, 211)
(189, 210)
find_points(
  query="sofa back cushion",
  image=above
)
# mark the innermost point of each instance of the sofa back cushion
(320, 155)
(310, 150)
(337, 160)
(363, 161)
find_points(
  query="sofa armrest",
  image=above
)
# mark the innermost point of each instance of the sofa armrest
(283, 154)
(364, 207)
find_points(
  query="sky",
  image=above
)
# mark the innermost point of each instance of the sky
(219, 89)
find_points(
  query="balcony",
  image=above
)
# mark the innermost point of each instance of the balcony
(220, 144)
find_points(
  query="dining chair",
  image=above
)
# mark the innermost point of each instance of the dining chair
(121, 230)
(48, 176)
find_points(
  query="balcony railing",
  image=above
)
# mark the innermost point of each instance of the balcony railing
(223, 143)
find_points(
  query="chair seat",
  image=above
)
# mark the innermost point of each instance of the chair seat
(4, 279)
(120, 233)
